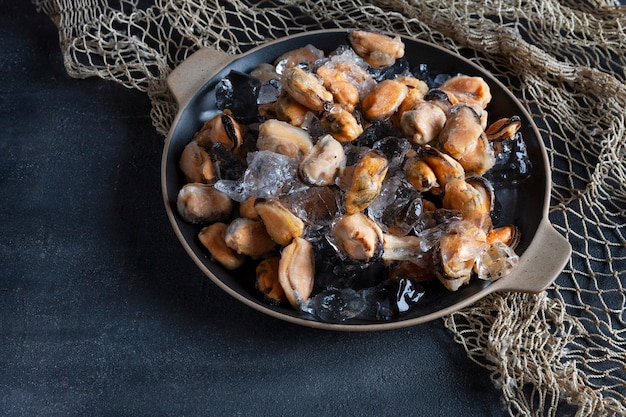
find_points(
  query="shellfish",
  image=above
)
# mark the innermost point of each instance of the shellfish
(423, 123)
(267, 282)
(325, 162)
(456, 253)
(212, 237)
(376, 49)
(222, 128)
(469, 90)
(296, 271)
(345, 93)
(463, 138)
(384, 100)
(196, 164)
(306, 88)
(200, 203)
(281, 224)
(503, 128)
(367, 180)
(443, 167)
(358, 237)
(341, 124)
(249, 237)
(473, 198)
(283, 138)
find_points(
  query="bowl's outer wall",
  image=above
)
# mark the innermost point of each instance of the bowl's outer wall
(522, 204)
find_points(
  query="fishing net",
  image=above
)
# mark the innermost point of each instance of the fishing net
(557, 352)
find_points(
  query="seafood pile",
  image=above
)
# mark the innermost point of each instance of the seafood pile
(350, 181)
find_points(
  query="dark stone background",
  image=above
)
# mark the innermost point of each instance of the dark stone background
(102, 312)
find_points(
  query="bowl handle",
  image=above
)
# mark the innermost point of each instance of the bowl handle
(540, 264)
(195, 71)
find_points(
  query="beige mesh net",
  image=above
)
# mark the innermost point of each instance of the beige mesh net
(565, 348)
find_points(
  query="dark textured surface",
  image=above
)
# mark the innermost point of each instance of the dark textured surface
(101, 311)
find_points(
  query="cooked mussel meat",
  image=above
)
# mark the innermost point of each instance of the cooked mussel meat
(222, 128)
(300, 57)
(456, 253)
(213, 238)
(384, 100)
(440, 98)
(341, 124)
(283, 138)
(267, 282)
(306, 88)
(415, 95)
(430, 161)
(247, 210)
(423, 123)
(249, 237)
(296, 271)
(480, 158)
(202, 203)
(280, 222)
(508, 234)
(504, 128)
(358, 237)
(469, 90)
(420, 174)
(325, 161)
(367, 180)
(376, 49)
(196, 164)
(288, 110)
(463, 138)
(460, 131)
(473, 198)
(338, 83)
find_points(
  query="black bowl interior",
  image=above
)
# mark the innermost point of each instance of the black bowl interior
(522, 204)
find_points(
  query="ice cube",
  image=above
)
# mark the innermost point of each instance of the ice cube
(382, 302)
(497, 261)
(268, 175)
(335, 305)
(513, 164)
(400, 67)
(375, 131)
(238, 93)
(440, 79)
(316, 206)
(394, 148)
(437, 223)
(398, 207)
(408, 295)
(390, 299)
(269, 92)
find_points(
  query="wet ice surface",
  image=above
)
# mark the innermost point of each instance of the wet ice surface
(227, 165)
(400, 67)
(238, 93)
(316, 206)
(269, 92)
(398, 207)
(394, 148)
(512, 162)
(498, 260)
(383, 302)
(269, 174)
